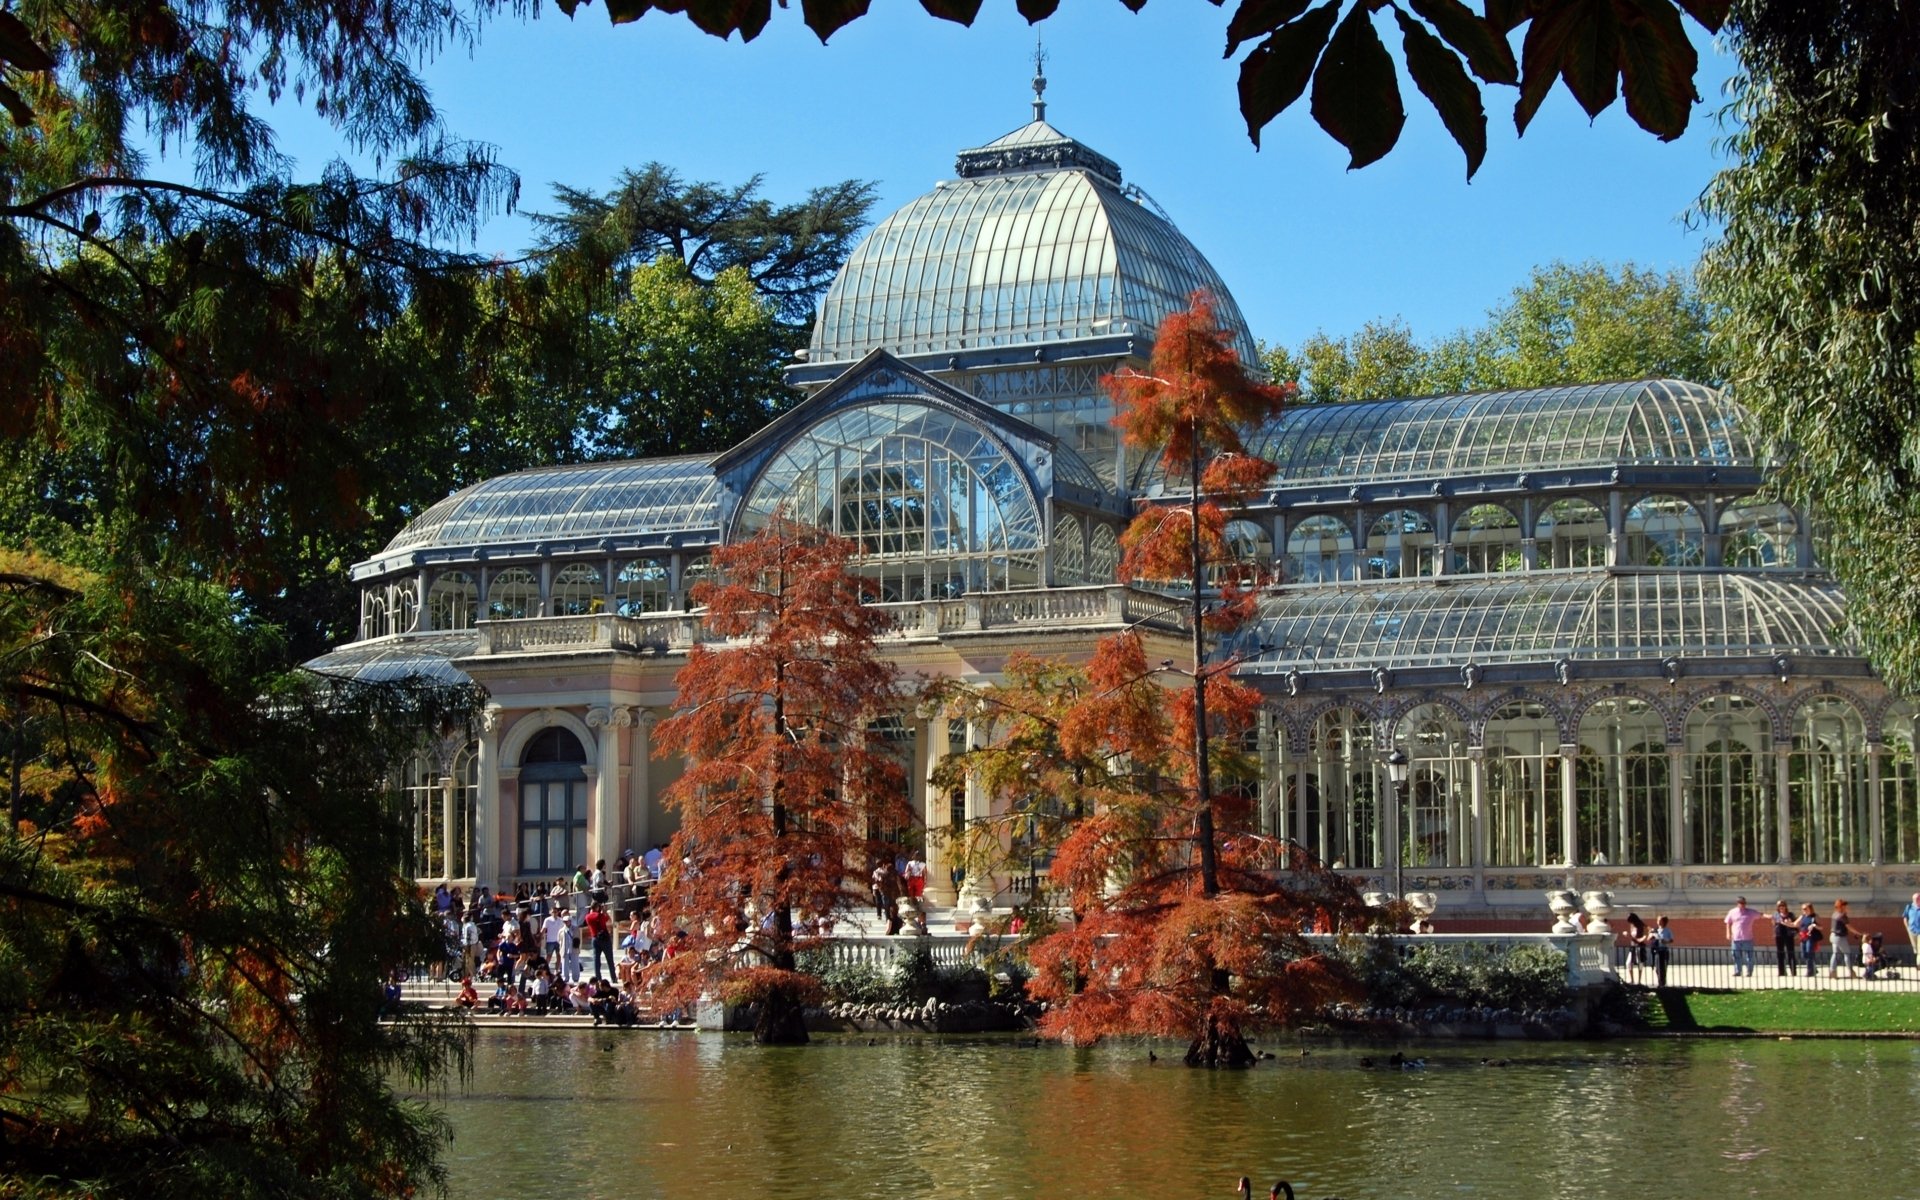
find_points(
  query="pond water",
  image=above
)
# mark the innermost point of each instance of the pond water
(639, 1115)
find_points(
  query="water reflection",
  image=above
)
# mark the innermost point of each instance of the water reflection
(646, 1115)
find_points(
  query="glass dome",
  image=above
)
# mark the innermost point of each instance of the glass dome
(661, 495)
(1037, 241)
(1646, 422)
(1547, 617)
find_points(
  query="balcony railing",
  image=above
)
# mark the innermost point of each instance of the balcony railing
(1090, 608)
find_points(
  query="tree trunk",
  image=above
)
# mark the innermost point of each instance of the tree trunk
(1220, 1046)
(782, 1021)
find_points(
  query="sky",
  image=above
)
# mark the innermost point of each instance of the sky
(1303, 243)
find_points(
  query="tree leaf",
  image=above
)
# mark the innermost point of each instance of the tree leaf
(1443, 81)
(11, 101)
(1356, 97)
(1550, 41)
(1710, 13)
(1256, 18)
(1657, 63)
(623, 12)
(1485, 48)
(959, 11)
(1505, 15)
(825, 17)
(1275, 74)
(1590, 64)
(18, 47)
(1036, 10)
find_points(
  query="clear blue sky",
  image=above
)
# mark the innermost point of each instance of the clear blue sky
(1302, 242)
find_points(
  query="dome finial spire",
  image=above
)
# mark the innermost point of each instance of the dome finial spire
(1039, 78)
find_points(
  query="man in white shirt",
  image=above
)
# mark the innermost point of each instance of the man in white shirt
(553, 931)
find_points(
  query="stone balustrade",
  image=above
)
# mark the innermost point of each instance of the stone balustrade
(674, 633)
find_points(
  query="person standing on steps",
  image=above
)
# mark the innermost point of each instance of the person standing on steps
(1911, 915)
(599, 927)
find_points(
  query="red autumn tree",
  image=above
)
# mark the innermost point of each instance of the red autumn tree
(783, 800)
(1191, 924)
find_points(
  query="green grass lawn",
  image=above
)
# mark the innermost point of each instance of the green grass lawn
(1785, 1012)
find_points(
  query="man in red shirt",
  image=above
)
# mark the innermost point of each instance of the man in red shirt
(599, 927)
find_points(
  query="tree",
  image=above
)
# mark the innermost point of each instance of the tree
(785, 795)
(1568, 324)
(193, 932)
(1601, 49)
(1817, 274)
(789, 253)
(1189, 923)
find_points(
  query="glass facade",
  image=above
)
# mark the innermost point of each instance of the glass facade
(664, 495)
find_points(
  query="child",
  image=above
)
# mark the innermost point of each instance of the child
(1874, 956)
(468, 998)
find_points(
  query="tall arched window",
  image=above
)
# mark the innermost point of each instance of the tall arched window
(1828, 814)
(513, 594)
(403, 603)
(1524, 819)
(935, 504)
(373, 612)
(1728, 797)
(553, 803)
(1400, 545)
(1486, 541)
(1664, 531)
(1069, 551)
(1621, 800)
(1756, 534)
(1899, 788)
(643, 585)
(1249, 552)
(1437, 826)
(466, 812)
(1103, 555)
(1342, 786)
(420, 798)
(453, 602)
(576, 591)
(1571, 533)
(1320, 550)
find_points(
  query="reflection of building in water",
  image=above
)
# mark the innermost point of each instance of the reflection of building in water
(1573, 609)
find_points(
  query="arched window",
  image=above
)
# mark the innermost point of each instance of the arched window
(1320, 550)
(403, 604)
(576, 591)
(693, 572)
(1436, 830)
(1486, 541)
(1728, 797)
(1571, 533)
(1400, 545)
(512, 595)
(1103, 555)
(553, 803)
(373, 612)
(453, 601)
(1756, 534)
(1524, 820)
(1899, 788)
(643, 585)
(1828, 814)
(420, 798)
(1069, 551)
(466, 811)
(935, 504)
(1342, 786)
(1621, 785)
(1246, 557)
(1664, 531)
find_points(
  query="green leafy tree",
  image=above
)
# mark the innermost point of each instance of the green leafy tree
(1569, 323)
(788, 252)
(198, 904)
(1817, 273)
(1601, 50)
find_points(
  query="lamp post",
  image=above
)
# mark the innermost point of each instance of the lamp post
(1397, 764)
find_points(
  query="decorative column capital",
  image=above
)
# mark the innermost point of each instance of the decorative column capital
(490, 717)
(621, 716)
(599, 718)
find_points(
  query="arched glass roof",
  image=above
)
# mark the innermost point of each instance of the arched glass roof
(1648, 421)
(1037, 242)
(392, 659)
(659, 495)
(1547, 616)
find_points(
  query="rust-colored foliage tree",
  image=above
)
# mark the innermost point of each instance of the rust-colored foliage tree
(1191, 924)
(784, 799)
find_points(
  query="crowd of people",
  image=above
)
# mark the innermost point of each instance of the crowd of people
(523, 953)
(1800, 941)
